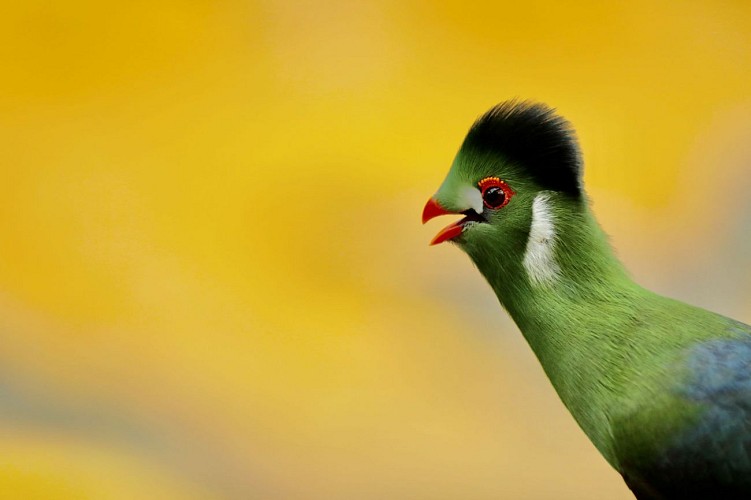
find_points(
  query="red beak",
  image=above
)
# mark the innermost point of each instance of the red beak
(434, 209)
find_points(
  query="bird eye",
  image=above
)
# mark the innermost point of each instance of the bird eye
(494, 197)
(495, 193)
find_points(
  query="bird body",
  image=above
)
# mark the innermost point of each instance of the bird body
(662, 388)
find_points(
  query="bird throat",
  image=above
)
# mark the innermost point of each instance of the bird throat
(570, 297)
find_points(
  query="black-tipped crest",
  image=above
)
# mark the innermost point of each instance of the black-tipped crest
(532, 136)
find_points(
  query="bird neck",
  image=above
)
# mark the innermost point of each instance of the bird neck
(573, 320)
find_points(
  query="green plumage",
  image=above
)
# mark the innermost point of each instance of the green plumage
(663, 389)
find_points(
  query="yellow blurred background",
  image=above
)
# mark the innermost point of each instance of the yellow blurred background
(213, 280)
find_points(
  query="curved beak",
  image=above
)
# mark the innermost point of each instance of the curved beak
(434, 209)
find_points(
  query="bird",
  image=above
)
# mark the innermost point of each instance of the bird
(660, 387)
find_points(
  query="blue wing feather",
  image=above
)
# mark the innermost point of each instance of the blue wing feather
(711, 458)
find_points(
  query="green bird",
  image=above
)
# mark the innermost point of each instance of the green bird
(662, 388)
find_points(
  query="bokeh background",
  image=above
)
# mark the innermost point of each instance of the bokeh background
(213, 280)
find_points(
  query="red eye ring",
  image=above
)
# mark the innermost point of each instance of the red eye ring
(495, 193)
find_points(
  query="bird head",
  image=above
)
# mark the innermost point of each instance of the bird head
(517, 169)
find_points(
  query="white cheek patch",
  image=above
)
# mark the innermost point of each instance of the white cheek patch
(472, 198)
(539, 256)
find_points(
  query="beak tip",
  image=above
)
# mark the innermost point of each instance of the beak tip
(432, 209)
